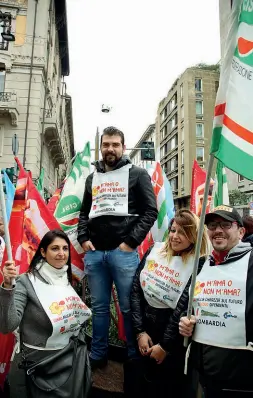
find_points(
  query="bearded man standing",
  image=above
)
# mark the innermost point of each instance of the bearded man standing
(118, 210)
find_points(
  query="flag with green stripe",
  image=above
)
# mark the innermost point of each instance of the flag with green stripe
(221, 196)
(69, 205)
(165, 207)
(40, 183)
(232, 141)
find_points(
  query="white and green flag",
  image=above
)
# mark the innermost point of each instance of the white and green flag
(220, 186)
(232, 141)
(69, 205)
(40, 183)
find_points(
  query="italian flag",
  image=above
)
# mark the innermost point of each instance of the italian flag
(220, 186)
(232, 141)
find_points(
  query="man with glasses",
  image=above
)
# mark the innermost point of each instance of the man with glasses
(222, 325)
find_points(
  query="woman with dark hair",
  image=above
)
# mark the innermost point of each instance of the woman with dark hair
(45, 308)
(159, 291)
(248, 225)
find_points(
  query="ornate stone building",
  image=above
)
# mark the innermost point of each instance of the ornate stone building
(34, 104)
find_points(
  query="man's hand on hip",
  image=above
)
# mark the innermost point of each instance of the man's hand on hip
(88, 246)
(125, 248)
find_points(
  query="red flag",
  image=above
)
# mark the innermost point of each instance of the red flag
(7, 342)
(53, 202)
(145, 245)
(197, 189)
(30, 220)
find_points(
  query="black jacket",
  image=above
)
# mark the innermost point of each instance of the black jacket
(229, 368)
(248, 239)
(108, 232)
(170, 339)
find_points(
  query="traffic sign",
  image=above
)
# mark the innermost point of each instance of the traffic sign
(251, 205)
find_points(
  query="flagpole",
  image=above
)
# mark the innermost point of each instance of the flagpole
(6, 229)
(199, 239)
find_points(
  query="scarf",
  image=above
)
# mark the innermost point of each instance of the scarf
(52, 275)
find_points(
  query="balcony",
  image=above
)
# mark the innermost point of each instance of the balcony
(8, 106)
(52, 136)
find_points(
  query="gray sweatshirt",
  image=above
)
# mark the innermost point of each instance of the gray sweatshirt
(20, 307)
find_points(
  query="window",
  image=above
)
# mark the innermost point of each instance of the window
(199, 108)
(182, 133)
(173, 184)
(173, 163)
(200, 154)
(240, 178)
(172, 143)
(198, 84)
(2, 79)
(199, 130)
(173, 103)
(164, 167)
(5, 27)
(182, 180)
(182, 157)
(162, 152)
(163, 132)
(182, 111)
(162, 115)
(182, 91)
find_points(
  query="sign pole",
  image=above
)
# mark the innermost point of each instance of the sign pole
(6, 229)
(199, 240)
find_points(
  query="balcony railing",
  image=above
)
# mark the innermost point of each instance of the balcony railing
(5, 97)
(4, 45)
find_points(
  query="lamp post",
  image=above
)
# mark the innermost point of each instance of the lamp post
(104, 109)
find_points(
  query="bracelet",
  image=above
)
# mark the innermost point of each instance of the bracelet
(139, 335)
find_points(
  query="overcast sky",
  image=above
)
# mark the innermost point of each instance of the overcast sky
(127, 54)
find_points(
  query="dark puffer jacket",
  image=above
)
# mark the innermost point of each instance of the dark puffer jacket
(108, 232)
(165, 321)
(248, 239)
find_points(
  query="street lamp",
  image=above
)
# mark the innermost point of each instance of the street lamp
(104, 109)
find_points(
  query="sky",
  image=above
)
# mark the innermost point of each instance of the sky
(126, 54)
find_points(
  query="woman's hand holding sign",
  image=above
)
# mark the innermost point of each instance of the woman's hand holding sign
(9, 273)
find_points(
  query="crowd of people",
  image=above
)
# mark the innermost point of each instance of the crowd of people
(118, 210)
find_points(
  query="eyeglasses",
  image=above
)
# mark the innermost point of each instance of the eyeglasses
(212, 225)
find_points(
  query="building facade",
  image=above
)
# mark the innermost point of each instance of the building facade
(135, 154)
(184, 127)
(34, 104)
(235, 181)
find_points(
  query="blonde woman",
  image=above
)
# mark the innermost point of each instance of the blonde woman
(159, 292)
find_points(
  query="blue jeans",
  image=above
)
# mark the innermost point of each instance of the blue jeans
(102, 269)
